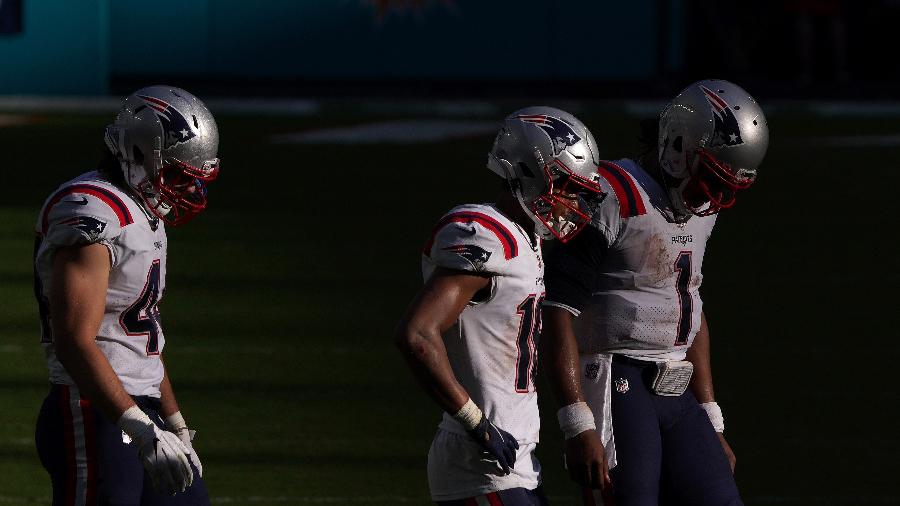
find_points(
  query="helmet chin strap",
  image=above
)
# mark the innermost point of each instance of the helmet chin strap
(539, 228)
(680, 211)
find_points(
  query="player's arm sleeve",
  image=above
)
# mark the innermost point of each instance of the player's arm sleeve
(571, 270)
(472, 247)
(72, 225)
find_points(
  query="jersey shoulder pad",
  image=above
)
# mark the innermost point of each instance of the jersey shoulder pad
(473, 238)
(84, 212)
(615, 179)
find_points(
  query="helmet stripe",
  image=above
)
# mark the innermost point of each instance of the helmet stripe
(714, 99)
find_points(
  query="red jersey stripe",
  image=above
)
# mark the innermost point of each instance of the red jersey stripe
(506, 238)
(619, 190)
(65, 408)
(630, 201)
(90, 446)
(494, 499)
(108, 197)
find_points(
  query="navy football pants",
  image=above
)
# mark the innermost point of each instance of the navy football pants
(666, 448)
(88, 462)
(509, 497)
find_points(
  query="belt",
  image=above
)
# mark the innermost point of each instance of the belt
(622, 359)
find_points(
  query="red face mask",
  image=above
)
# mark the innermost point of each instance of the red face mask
(569, 202)
(713, 183)
(181, 188)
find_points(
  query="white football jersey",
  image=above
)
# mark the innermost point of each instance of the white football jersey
(493, 345)
(633, 275)
(87, 210)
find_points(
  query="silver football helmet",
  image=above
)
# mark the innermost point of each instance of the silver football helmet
(550, 160)
(166, 142)
(712, 138)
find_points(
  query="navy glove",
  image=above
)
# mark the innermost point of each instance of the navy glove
(497, 442)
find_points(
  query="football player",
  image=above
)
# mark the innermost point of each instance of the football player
(110, 431)
(470, 334)
(624, 315)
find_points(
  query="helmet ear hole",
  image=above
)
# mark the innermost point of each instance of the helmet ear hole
(525, 170)
(137, 155)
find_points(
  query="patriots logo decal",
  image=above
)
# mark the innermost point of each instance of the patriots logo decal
(727, 132)
(175, 125)
(475, 255)
(560, 132)
(90, 226)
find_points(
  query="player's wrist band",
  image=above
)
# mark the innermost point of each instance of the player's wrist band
(714, 412)
(134, 422)
(175, 422)
(575, 419)
(469, 415)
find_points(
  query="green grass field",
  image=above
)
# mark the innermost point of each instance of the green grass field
(282, 299)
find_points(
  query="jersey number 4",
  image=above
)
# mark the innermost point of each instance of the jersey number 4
(142, 317)
(529, 327)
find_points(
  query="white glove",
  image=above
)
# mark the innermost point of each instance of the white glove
(175, 424)
(164, 456)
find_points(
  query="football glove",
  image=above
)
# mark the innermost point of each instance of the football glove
(175, 424)
(164, 456)
(497, 442)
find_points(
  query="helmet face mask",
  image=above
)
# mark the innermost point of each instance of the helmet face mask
(715, 183)
(180, 190)
(166, 140)
(712, 138)
(550, 160)
(568, 204)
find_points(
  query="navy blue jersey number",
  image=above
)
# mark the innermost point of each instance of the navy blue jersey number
(685, 302)
(42, 301)
(529, 327)
(142, 317)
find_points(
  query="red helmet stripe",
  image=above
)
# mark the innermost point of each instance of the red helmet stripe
(713, 97)
(108, 197)
(507, 239)
(154, 100)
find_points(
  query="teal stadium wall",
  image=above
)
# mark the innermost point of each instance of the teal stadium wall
(65, 49)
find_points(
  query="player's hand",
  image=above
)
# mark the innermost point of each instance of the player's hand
(586, 460)
(164, 456)
(187, 437)
(732, 460)
(175, 424)
(497, 442)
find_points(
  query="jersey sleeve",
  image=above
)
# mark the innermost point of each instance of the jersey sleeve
(480, 245)
(607, 220)
(571, 270)
(81, 219)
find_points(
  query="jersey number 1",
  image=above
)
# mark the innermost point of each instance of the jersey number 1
(529, 326)
(142, 317)
(685, 302)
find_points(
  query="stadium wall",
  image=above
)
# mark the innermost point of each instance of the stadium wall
(346, 40)
(62, 48)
